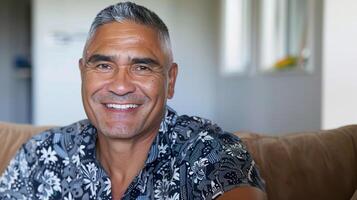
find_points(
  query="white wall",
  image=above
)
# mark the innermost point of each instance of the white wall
(340, 64)
(270, 104)
(56, 85)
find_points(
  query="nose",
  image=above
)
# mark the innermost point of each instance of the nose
(122, 83)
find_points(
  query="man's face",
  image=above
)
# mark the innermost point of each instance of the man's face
(126, 80)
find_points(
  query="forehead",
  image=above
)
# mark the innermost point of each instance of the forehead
(124, 36)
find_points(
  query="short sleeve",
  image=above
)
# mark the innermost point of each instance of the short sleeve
(219, 163)
(236, 166)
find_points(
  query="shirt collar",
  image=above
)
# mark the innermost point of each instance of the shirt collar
(163, 136)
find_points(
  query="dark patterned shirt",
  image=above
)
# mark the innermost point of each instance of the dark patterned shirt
(190, 158)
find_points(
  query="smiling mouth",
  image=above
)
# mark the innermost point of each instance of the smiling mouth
(121, 106)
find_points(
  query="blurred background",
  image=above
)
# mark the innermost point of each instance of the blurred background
(267, 66)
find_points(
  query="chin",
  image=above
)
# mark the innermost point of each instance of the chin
(122, 132)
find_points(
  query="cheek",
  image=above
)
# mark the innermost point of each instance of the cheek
(92, 84)
(154, 87)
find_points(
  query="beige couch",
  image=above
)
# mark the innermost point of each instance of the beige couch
(314, 165)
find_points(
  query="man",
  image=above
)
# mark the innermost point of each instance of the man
(133, 146)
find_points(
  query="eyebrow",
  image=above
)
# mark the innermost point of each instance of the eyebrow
(100, 57)
(147, 61)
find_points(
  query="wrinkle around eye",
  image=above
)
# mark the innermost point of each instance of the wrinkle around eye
(143, 69)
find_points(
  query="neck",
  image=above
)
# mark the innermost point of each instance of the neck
(123, 159)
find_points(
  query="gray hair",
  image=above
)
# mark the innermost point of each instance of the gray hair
(128, 11)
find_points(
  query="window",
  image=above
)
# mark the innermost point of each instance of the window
(267, 35)
(235, 36)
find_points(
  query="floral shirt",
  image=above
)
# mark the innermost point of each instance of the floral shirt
(190, 158)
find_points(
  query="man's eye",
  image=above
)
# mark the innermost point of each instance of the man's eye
(142, 69)
(103, 67)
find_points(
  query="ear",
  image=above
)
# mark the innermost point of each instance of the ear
(80, 64)
(172, 80)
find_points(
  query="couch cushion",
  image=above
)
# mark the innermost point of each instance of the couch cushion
(12, 137)
(316, 165)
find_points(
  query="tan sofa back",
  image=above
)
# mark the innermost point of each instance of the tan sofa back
(315, 165)
(12, 136)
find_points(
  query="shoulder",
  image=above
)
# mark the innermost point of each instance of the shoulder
(55, 135)
(200, 132)
(54, 144)
(42, 158)
(216, 161)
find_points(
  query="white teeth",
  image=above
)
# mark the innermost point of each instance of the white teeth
(122, 106)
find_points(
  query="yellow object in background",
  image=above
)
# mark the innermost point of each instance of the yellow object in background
(285, 63)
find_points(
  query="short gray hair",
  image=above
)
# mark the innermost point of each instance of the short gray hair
(129, 11)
